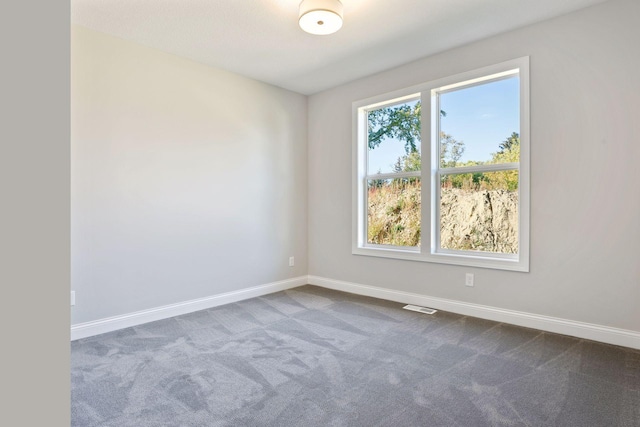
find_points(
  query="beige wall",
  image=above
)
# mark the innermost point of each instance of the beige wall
(585, 152)
(187, 181)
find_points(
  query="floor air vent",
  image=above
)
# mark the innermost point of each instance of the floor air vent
(419, 309)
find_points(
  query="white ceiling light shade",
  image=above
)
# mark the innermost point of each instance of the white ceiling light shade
(320, 17)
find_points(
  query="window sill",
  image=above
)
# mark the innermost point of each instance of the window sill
(466, 260)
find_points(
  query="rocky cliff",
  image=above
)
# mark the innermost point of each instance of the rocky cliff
(485, 220)
(479, 220)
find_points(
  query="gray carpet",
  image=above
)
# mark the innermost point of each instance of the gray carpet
(315, 357)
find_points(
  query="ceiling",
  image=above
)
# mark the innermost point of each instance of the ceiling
(261, 39)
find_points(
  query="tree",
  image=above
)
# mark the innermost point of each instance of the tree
(451, 150)
(401, 122)
(409, 163)
(509, 153)
(508, 143)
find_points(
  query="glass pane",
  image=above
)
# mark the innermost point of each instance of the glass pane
(394, 138)
(481, 124)
(479, 212)
(393, 212)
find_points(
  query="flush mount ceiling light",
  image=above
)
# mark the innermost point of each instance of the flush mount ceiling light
(320, 17)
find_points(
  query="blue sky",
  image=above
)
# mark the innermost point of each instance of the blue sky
(482, 116)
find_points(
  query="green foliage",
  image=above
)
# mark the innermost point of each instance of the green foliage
(450, 151)
(509, 153)
(510, 142)
(412, 162)
(401, 122)
(501, 180)
(464, 181)
(394, 213)
(376, 183)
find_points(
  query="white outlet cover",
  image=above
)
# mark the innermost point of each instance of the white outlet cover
(469, 279)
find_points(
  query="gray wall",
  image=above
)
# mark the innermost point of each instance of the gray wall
(187, 181)
(585, 152)
(34, 214)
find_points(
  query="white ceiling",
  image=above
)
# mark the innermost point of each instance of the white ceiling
(261, 38)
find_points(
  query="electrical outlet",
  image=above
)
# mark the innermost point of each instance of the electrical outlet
(73, 297)
(292, 261)
(468, 281)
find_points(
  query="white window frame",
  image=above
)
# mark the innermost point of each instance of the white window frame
(429, 250)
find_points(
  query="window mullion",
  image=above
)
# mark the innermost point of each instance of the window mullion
(497, 167)
(394, 175)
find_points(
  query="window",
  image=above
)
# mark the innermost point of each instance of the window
(441, 170)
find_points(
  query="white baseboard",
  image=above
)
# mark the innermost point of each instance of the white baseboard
(589, 331)
(101, 326)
